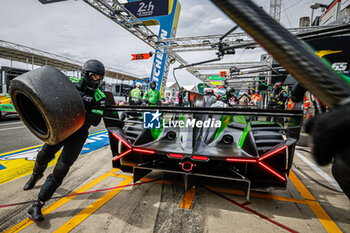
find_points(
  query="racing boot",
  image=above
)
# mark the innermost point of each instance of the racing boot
(32, 181)
(42, 159)
(35, 211)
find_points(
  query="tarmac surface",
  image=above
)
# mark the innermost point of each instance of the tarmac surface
(164, 206)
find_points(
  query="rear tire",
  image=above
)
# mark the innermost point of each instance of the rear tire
(48, 103)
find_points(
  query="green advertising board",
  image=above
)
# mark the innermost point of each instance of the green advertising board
(201, 87)
(217, 77)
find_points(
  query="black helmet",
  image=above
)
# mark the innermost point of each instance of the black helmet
(230, 91)
(182, 88)
(91, 69)
(153, 83)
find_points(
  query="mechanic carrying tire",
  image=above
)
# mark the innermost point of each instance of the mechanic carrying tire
(93, 72)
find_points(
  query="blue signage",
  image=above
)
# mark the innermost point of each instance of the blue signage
(151, 120)
(168, 26)
(148, 8)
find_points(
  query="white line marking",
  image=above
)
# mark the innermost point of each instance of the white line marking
(319, 171)
(20, 122)
(12, 128)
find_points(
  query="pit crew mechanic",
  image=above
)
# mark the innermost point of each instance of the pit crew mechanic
(93, 72)
(180, 96)
(152, 96)
(136, 94)
(331, 143)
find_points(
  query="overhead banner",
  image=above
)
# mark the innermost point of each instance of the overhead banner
(215, 77)
(223, 74)
(141, 56)
(148, 8)
(217, 83)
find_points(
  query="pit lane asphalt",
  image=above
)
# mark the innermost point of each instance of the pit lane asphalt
(14, 135)
(165, 207)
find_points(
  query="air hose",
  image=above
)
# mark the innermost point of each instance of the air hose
(316, 181)
(294, 55)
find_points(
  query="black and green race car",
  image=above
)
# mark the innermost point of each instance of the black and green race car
(203, 141)
(6, 106)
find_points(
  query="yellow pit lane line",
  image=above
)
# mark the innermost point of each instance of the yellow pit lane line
(79, 218)
(320, 213)
(27, 222)
(186, 202)
(21, 163)
(309, 200)
(188, 199)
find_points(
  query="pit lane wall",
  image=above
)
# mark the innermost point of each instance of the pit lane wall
(19, 163)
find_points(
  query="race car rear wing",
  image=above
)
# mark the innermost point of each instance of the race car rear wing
(208, 110)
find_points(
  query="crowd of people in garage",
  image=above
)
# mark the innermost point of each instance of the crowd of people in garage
(277, 96)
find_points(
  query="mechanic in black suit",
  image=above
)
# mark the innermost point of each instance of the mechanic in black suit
(93, 72)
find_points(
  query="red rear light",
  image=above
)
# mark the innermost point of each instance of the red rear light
(238, 160)
(177, 156)
(144, 151)
(122, 155)
(259, 161)
(197, 157)
(122, 140)
(187, 166)
(272, 171)
(265, 156)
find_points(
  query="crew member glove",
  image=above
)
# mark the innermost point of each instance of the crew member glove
(330, 135)
(330, 140)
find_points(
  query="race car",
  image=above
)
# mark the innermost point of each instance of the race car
(6, 106)
(225, 143)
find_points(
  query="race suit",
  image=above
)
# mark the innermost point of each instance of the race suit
(152, 96)
(179, 98)
(135, 94)
(278, 100)
(71, 145)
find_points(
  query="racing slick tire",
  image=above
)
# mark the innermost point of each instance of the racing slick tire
(48, 104)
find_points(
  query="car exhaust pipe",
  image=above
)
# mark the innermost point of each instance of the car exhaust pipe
(171, 135)
(227, 139)
(187, 166)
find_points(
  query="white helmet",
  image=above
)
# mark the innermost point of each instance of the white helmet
(138, 85)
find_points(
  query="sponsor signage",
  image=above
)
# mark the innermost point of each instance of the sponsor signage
(168, 27)
(148, 8)
(223, 74)
(215, 78)
(18, 163)
(50, 1)
(217, 83)
(141, 56)
(151, 120)
(201, 87)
